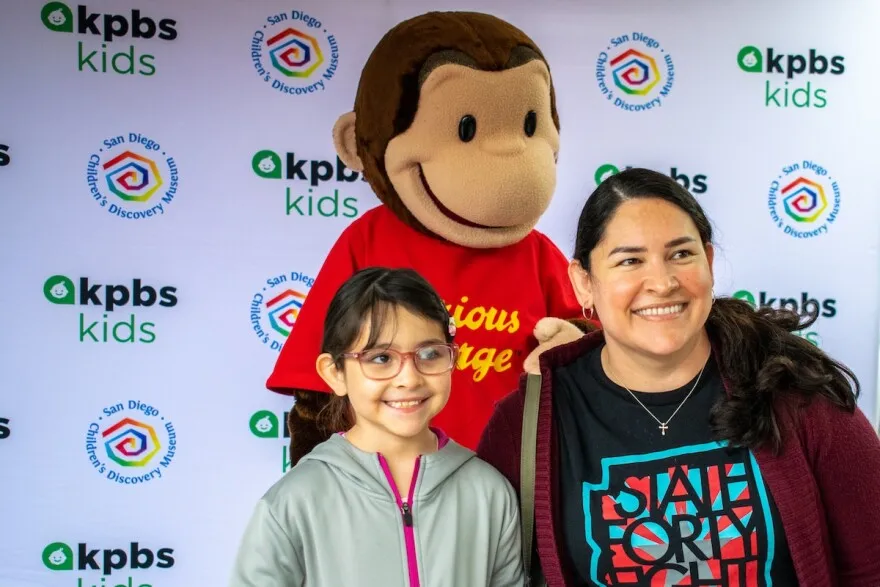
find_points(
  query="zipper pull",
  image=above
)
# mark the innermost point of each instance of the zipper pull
(407, 515)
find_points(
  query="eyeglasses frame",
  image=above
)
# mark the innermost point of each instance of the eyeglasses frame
(405, 356)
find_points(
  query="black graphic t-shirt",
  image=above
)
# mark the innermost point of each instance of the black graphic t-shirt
(648, 509)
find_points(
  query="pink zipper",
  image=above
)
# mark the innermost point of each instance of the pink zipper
(406, 513)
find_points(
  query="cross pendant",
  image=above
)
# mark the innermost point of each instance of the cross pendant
(663, 428)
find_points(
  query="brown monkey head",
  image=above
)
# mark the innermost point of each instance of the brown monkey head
(455, 128)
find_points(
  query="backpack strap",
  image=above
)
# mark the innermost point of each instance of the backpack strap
(527, 471)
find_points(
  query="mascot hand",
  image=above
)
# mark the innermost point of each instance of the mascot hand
(302, 424)
(550, 332)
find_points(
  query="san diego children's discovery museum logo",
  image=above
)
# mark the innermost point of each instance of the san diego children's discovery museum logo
(634, 72)
(804, 200)
(294, 53)
(131, 443)
(275, 307)
(131, 176)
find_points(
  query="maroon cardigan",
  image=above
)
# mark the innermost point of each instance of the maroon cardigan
(825, 481)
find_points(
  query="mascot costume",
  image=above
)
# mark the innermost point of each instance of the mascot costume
(455, 128)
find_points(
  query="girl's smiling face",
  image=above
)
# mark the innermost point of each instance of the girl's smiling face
(401, 407)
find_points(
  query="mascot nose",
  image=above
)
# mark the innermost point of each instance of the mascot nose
(505, 146)
(520, 197)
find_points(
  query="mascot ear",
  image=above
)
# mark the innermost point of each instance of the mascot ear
(345, 142)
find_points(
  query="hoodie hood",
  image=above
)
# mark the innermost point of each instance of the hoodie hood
(365, 470)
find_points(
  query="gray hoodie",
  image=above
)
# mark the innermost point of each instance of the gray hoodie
(335, 520)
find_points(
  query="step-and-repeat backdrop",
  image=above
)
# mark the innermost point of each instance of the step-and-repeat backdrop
(166, 179)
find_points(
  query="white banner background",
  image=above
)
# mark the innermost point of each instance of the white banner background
(227, 230)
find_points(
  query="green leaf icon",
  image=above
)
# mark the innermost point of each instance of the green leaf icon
(57, 17)
(604, 172)
(750, 59)
(58, 289)
(264, 424)
(746, 296)
(267, 164)
(58, 557)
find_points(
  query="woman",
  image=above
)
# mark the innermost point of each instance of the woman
(692, 440)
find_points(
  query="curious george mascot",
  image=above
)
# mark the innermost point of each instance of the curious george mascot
(455, 129)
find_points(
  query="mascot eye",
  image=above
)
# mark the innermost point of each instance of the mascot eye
(467, 128)
(531, 123)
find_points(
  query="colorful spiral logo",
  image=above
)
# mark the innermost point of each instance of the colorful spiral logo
(635, 72)
(294, 53)
(283, 310)
(804, 200)
(132, 177)
(275, 308)
(131, 443)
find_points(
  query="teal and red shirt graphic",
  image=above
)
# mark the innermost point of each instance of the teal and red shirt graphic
(693, 515)
(644, 506)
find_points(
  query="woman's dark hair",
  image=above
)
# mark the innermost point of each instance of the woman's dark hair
(369, 299)
(759, 355)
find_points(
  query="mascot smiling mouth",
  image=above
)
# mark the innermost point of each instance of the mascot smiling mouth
(443, 209)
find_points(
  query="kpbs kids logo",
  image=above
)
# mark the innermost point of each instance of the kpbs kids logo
(5, 431)
(106, 299)
(804, 200)
(806, 306)
(303, 176)
(294, 53)
(104, 562)
(132, 177)
(791, 69)
(5, 158)
(269, 425)
(634, 72)
(58, 17)
(275, 308)
(695, 183)
(131, 443)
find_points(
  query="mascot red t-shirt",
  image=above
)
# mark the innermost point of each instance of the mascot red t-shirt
(518, 285)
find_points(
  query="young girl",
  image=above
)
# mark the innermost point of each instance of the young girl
(391, 502)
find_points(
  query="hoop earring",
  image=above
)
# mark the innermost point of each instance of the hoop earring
(713, 296)
(584, 312)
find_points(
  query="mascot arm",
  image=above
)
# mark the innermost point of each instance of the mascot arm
(565, 321)
(295, 367)
(561, 301)
(295, 373)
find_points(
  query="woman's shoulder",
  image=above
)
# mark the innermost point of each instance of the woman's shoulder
(817, 421)
(510, 408)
